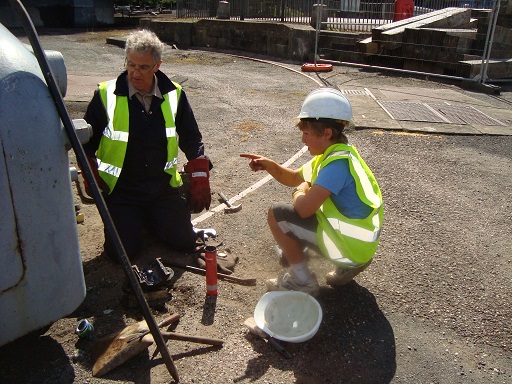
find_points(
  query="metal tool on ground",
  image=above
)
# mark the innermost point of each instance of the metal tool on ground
(222, 276)
(154, 275)
(255, 330)
(114, 350)
(167, 321)
(81, 157)
(192, 339)
(230, 207)
(111, 351)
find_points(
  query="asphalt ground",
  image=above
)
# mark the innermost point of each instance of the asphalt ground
(434, 306)
(394, 107)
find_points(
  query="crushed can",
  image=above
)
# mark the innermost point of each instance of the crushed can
(85, 330)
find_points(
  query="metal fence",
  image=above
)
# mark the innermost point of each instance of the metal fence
(296, 11)
(436, 52)
(455, 42)
(342, 14)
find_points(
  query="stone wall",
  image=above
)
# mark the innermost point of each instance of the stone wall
(267, 38)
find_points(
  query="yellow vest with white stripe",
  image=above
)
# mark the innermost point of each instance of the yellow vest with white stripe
(347, 242)
(113, 143)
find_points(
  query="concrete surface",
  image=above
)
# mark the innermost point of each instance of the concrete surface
(434, 306)
(367, 103)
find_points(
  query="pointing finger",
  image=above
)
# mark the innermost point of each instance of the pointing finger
(249, 156)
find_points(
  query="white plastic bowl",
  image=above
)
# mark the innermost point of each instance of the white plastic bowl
(288, 315)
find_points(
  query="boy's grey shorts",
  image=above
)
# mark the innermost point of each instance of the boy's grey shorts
(302, 229)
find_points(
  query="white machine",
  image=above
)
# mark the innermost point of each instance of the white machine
(42, 278)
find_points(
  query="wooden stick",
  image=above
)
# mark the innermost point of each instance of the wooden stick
(200, 271)
(193, 339)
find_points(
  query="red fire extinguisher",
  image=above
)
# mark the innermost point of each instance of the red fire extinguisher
(403, 9)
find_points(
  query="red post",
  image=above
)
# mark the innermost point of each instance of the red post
(211, 270)
(403, 9)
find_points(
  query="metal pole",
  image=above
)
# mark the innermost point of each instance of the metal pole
(488, 41)
(98, 198)
(318, 25)
(242, 10)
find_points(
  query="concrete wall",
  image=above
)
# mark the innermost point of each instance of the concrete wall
(267, 38)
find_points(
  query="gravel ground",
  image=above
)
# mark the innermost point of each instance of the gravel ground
(433, 307)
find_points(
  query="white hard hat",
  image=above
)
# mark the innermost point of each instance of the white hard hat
(326, 103)
(290, 316)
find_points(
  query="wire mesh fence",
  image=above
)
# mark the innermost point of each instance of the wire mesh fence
(343, 14)
(451, 37)
(451, 41)
(294, 11)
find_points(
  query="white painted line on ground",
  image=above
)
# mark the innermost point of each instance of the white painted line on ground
(245, 192)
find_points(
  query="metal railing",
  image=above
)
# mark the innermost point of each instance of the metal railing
(294, 11)
(344, 14)
(438, 51)
(448, 54)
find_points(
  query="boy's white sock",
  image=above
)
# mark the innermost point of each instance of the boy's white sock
(301, 272)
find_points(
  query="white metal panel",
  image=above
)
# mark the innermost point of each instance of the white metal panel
(10, 258)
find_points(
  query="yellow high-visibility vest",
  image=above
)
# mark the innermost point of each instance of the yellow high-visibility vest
(348, 243)
(113, 143)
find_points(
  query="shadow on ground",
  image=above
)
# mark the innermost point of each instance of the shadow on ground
(355, 339)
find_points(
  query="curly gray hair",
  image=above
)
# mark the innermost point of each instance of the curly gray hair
(144, 41)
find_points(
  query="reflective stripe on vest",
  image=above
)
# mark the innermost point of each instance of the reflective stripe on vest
(347, 242)
(113, 143)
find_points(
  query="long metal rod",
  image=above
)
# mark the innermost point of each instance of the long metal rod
(222, 276)
(318, 26)
(486, 46)
(489, 39)
(394, 69)
(98, 198)
(408, 71)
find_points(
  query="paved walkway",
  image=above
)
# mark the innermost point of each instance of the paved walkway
(430, 111)
(410, 109)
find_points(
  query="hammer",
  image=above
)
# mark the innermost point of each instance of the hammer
(230, 207)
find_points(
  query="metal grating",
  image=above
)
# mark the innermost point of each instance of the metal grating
(460, 114)
(438, 113)
(409, 111)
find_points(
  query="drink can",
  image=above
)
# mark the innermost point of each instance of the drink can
(84, 329)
